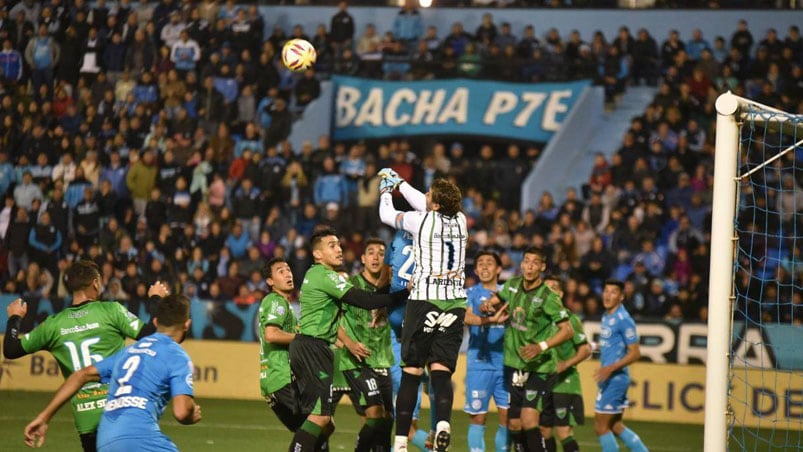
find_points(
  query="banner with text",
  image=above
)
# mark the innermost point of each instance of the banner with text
(774, 346)
(367, 108)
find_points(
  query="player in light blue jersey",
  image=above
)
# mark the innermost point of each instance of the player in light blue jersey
(402, 262)
(485, 376)
(619, 347)
(142, 379)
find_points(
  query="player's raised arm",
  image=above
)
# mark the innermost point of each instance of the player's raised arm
(391, 180)
(36, 430)
(156, 292)
(12, 346)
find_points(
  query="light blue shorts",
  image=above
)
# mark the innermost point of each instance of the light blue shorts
(612, 395)
(480, 386)
(152, 444)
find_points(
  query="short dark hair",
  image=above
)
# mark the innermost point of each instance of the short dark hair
(172, 310)
(556, 278)
(535, 250)
(447, 195)
(81, 274)
(375, 241)
(318, 236)
(267, 270)
(614, 282)
(489, 252)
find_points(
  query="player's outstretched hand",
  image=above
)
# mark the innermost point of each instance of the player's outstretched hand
(35, 433)
(390, 180)
(158, 289)
(17, 307)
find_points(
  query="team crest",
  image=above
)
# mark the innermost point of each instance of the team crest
(561, 413)
(530, 395)
(476, 404)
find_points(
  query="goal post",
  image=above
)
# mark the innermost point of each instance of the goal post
(754, 369)
(720, 293)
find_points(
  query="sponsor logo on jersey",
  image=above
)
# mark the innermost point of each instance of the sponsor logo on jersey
(442, 320)
(79, 328)
(78, 314)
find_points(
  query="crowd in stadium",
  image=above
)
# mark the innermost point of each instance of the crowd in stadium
(153, 140)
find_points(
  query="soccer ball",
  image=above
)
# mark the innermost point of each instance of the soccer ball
(298, 55)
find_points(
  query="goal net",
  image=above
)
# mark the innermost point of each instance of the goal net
(754, 382)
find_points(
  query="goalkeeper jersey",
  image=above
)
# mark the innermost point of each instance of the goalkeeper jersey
(369, 327)
(80, 336)
(274, 359)
(534, 315)
(321, 292)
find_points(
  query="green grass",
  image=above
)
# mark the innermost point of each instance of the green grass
(245, 426)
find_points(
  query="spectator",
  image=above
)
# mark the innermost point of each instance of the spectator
(408, 25)
(307, 89)
(281, 123)
(141, 179)
(26, 191)
(10, 64)
(237, 242)
(509, 176)
(16, 241)
(45, 241)
(342, 27)
(330, 186)
(742, 39)
(185, 53)
(42, 55)
(696, 45)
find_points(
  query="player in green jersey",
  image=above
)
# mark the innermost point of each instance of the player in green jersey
(82, 334)
(537, 323)
(366, 337)
(566, 409)
(323, 294)
(277, 321)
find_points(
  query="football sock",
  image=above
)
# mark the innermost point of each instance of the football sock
(608, 442)
(384, 431)
(632, 440)
(550, 444)
(365, 438)
(405, 403)
(476, 438)
(420, 439)
(441, 381)
(534, 440)
(570, 444)
(305, 438)
(516, 440)
(501, 438)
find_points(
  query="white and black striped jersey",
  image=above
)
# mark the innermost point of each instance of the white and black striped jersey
(439, 246)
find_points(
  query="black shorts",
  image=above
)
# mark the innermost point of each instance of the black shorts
(565, 410)
(528, 390)
(312, 364)
(370, 387)
(430, 335)
(285, 403)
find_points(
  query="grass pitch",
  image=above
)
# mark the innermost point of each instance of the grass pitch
(245, 426)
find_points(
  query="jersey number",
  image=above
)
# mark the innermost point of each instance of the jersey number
(80, 354)
(450, 262)
(404, 270)
(130, 366)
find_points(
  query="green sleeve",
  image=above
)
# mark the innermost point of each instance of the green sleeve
(505, 294)
(125, 321)
(275, 312)
(40, 338)
(334, 285)
(555, 310)
(579, 337)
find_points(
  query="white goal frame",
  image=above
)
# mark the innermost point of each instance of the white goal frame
(731, 111)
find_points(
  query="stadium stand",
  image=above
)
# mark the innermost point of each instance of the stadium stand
(153, 140)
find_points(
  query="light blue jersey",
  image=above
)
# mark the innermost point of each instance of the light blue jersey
(617, 332)
(142, 379)
(486, 344)
(401, 260)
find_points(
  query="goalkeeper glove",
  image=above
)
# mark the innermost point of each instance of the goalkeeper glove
(390, 180)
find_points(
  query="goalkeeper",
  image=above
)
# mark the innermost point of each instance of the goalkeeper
(81, 335)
